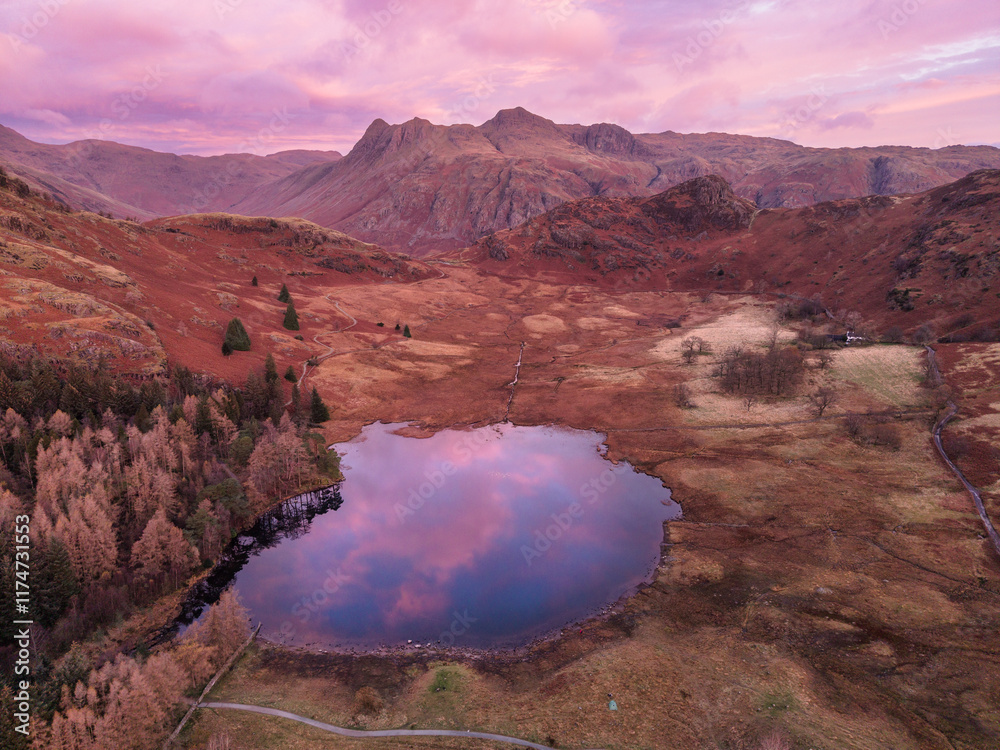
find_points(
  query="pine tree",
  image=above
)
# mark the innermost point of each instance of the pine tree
(142, 420)
(290, 374)
(226, 349)
(9, 398)
(318, 412)
(54, 583)
(283, 295)
(406, 331)
(297, 412)
(291, 317)
(270, 370)
(237, 337)
(253, 281)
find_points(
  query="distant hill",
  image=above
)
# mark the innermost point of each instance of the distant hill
(129, 181)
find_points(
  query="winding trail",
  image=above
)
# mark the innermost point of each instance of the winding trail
(991, 532)
(358, 734)
(329, 349)
(513, 383)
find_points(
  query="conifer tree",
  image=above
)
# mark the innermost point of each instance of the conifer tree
(142, 420)
(283, 295)
(406, 331)
(9, 398)
(54, 583)
(253, 281)
(318, 411)
(237, 336)
(290, 374)
(291, 317)
(270, 369)
(297, 411)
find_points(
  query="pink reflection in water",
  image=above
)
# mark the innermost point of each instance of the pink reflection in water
(473, 538)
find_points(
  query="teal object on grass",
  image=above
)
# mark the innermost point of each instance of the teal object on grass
(613, 706)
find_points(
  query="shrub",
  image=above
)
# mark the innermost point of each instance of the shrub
(893, 335)
(879, 434)
(924, 334)
(367, 701)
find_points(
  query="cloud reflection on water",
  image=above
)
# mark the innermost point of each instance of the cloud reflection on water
(434, 528)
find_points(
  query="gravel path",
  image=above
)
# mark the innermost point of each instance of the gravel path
(377, 733)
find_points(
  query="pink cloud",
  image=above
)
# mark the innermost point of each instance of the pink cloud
(337, 66)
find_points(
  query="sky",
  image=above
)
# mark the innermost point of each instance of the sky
(224, 76)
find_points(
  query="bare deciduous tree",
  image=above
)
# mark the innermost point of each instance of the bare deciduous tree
(682, 396)
(822, 400)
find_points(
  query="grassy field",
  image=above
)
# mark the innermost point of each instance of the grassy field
(886, 374)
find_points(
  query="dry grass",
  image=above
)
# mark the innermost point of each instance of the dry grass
(888, 374)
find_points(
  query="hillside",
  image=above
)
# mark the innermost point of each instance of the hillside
(902, 260)
(80, 285)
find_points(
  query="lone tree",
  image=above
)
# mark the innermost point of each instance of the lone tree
(406, 332)
(236, 337)
(682, 396)
(823, 399)
(318, 412)
(290, 374)
(253, 281)
(283, 295)
(291, 317)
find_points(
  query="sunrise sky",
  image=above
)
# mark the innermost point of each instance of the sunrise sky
(218, 76)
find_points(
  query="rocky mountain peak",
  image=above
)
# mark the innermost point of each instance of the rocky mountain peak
(699, 204)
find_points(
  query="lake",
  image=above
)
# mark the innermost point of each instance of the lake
(477, 539)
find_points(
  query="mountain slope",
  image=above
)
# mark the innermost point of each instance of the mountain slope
(423, 187)
(896, 260)
(77, 284)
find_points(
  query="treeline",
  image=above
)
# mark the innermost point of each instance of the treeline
(774, 372)
(131, 487)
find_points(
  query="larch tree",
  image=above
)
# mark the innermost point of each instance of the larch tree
(162, 555)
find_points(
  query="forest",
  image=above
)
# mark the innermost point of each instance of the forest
(134, 486)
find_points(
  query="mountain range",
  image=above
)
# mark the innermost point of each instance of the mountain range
(420, 188)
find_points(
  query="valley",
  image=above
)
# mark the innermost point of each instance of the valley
(828, 579)
(840, 592)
